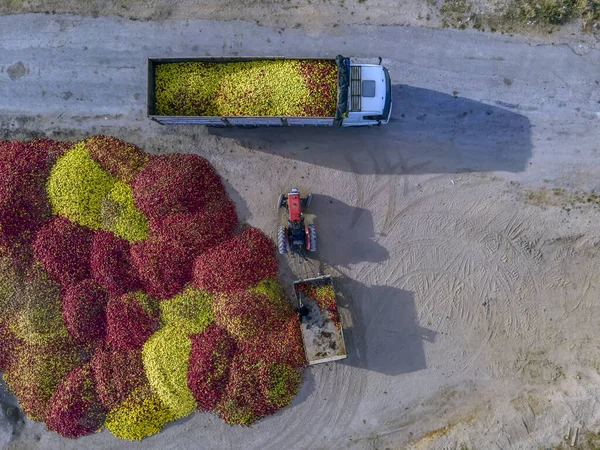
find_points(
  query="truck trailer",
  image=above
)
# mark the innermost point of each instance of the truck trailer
(322, 332)
(257, 91)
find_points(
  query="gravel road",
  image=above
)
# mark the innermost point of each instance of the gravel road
(460, 234)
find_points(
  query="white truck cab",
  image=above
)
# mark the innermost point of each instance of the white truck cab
(369, 96)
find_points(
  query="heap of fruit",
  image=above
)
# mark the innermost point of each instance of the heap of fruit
(324, 296)
(131, 296)
(298, 88)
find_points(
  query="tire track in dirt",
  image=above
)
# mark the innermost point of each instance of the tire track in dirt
(381, 167)
(484, 257)
(575, 269)
(392, 216)
(457, 281)
(340, 384)
(490, 273)
(486, 237)
(340, 389)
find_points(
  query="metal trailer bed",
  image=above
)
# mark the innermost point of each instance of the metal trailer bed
(323, 339)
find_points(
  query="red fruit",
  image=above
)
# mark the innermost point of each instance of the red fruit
(116, 374)
(162, 265)
(111, 265)
(83, 311)
(237, 263)
(244, 314)
(121, 159)
(130, 320)
(282, 344)
(175, 183)
(75, 409)
(197, 232)
(54, 149)
(35, 371)
(208, 371)
(243, 401)
(8, 345)
(23, 204)
(63, 248)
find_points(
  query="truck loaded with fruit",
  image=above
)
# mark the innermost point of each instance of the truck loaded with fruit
(268, 91)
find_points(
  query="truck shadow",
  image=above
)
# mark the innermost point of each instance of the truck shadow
(429, 132)
(381, 328)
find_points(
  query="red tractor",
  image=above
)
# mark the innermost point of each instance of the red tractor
(297, 237)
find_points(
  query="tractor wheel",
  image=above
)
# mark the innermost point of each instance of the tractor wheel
(279, 201)
(282, 241)
(308, 200)
(312, 233)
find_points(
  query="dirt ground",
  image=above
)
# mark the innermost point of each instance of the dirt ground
(462, 236)
(551, 21)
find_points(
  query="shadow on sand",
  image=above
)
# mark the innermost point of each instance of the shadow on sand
(381, 329)
(429, 132)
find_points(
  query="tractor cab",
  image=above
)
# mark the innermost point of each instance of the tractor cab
(294, 206)
(296, 237)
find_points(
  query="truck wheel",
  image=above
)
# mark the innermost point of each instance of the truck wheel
(312, 233)
(308, 200)
(282, 241)
(279, 201)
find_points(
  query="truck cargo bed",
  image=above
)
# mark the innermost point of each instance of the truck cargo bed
(321, 329)
(226, 120)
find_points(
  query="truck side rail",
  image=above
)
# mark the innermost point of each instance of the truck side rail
(242, 121)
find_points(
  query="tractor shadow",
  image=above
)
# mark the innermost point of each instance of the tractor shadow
(346, 234)
(429, 132)
(381, 329)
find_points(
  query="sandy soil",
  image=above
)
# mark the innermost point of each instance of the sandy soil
(316, 16)
(468, 284)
